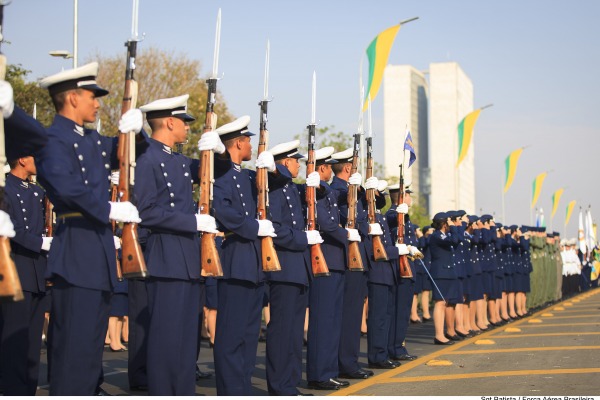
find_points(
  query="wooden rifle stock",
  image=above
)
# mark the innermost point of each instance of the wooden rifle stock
(132, 263)
(354, 258)
(210, 262)
(405, 271)
(113, 195)
(270, 260)
(317, 259)
(10, 285)
(379, 253)
(48, 217)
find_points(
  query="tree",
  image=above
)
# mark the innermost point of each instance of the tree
(26, 94)
(160, 74)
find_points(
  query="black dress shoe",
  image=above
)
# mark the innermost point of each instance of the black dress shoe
(476, 332)
(405, 357)
(340, 382)
(139, 388)
(122, 349)
(436, 341)
(456, 338)
(202, 375)
(101, 392)
(415, 321)
(387, 364)
(464, 335)
(360, 374)
(331, 384)
(367, 371)
(427, 319)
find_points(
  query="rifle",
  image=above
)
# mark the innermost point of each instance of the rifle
(48, 217)
(10, 285)
(317, 259)
(405, 271)
(113, 195)
(270, 261)
(210, 261)
(133, 264)
(379, 253)
(354, 258)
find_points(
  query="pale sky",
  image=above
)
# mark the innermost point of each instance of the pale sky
(536, 61)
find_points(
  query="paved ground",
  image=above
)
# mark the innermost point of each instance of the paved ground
(556, 351)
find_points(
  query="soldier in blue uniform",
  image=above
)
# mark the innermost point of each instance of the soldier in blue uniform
(382, 285)
(23, 321)
(442, 243)
(326, 293)
(404, 290)
(165, 202)
(355, 283)
(240, 291)
(74, 168)
(288, 288)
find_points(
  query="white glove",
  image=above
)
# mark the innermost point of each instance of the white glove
(402, 249)
(114, 177)
(353, 235)
(375, 229)
(206, 223)
(314, 237)
(381, 185)
(414, 251)
(46, 242)
(117, 242)
(265, 160)
(313, 179)
(402, 208)
(211, 141)
(7, 228)
(123, 212)
(371, 183)
(7, 103)
(131, 121)
(355, 179)
(265, 227)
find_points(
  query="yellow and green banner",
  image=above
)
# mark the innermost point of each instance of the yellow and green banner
(570, 208)
(465, 134)
(378, 53)
(537, 187)
(511, 167)
(556, 200)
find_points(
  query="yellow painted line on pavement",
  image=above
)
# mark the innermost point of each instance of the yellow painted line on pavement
(438, 363)
(547, 314)
(527, 349)
(511, 330)
(484, 341)
(546, 334)
(558, 308)
(535, 321)
(565, 324)
(576, 316)
(494, 374)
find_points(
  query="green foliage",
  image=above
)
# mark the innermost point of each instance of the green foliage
(26, 94)
(160, 74)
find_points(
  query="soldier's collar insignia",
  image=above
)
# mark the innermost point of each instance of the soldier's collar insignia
(24, 184)
(237, 167)
(78, 130)
(167, 149)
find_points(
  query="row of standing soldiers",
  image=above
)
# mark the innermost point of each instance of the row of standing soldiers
(73, 164)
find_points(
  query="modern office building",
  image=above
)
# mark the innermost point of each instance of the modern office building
(431, 110)
(405, 108)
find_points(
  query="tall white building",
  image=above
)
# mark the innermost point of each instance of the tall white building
(450, 100)
(405, 107)
(431, 111)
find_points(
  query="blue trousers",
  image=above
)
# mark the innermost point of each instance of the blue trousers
(22, 324)
(403, 302)
(78, 324)
(139, 323)
(174, 307)
(380, 317)
(326, 296)
(236, 340)
(285, 332)
(355, 291)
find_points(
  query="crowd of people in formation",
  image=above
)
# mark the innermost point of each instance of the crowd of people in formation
(476, 272)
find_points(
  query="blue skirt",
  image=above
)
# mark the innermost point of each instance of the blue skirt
(451, 290)
(475, 287)
(119, 305)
